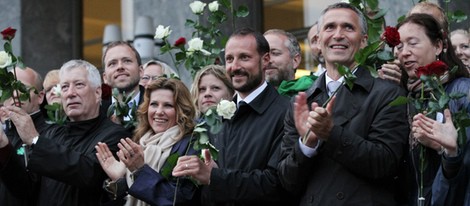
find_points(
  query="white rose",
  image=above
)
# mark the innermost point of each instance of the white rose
(162, 32)
(197, 7)
(196, 45)
(214, 6)
(56, 90)
(226, 109)
(5, 59)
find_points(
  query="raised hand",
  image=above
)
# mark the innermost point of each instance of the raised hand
(131, 154)
(113, 168)
(23, 123)
(429, 131)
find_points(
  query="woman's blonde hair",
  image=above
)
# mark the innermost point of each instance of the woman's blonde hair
(219, 72)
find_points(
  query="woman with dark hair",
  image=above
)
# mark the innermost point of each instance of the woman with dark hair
(166, 122)
(423, 42)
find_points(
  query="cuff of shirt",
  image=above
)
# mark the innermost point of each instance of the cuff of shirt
(308, 151)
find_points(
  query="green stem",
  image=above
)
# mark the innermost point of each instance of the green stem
(172, 58)
(178, 179)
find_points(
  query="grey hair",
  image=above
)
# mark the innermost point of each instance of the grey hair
(167, 70)
(292, 45)
(342, 5)
(94, 76)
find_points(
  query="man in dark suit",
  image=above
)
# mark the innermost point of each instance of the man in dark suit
(123, 70)
(349, 152)
(249, 143)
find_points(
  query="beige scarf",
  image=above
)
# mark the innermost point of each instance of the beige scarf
(157, 148)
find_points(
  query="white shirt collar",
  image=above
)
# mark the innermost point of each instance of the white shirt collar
(253, 94)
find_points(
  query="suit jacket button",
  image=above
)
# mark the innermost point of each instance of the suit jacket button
(340, 195)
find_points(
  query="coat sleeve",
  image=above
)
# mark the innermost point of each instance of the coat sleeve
(372, 147)
(450, 186)
(294, 166)
(151, 187)
(234, 185)
(77, 168)
(19, 181)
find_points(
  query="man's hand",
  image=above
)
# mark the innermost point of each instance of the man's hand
(320, 120)
(23, 123)
(194, 167)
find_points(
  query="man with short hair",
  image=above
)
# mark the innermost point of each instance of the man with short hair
(63, 157)
(285, 56)
(32, 80)
(349, 152)
(245, 172)
(123, 70)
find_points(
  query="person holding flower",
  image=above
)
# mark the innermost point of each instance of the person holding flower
(32, 79)
(249, 143)
(210, 85)
(62, 168)
(451, 185)
(166, 122)
(349, 152)
(421, 51)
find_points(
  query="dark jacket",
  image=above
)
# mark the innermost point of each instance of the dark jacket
(358, 163)
(249, 146)
(6, 197)
(155, 189)
(65, 161)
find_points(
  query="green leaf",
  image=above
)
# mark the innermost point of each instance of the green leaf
(380, 14)
(372, 4)
(385, 55)
(443, 101)
(401, 100)
(7, 47)
(225, 3)
(169, 165)
(458, 16)
(242, 11)
(401, 18)
(203, 138)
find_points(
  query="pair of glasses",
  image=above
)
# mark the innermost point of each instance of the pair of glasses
(147, 78)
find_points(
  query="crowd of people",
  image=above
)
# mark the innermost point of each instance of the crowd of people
(275, 150)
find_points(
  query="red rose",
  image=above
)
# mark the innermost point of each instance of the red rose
(391, 36)
(180, 41)
(8, 33)
(436, 68)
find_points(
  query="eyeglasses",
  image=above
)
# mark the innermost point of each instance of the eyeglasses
(147, 78)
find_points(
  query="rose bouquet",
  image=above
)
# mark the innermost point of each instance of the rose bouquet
(8, 61)
(203, 49)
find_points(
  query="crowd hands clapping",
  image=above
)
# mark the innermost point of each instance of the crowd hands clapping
(352, 150)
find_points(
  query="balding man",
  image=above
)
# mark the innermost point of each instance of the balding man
(31, 79)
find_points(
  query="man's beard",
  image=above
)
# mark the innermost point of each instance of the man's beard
(252, 81)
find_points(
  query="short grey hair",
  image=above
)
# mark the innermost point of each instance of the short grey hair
(293, 44)
(342, 5)
(94, 76)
